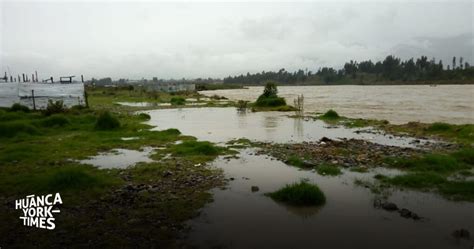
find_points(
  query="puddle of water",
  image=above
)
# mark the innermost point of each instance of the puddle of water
(240, 218)
(119, 158)
(129, 138)
(142, 104)
(224, 124)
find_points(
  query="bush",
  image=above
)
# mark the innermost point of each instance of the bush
(269, 97)
(19, 108)
(242, 104)
(144, 116)
(55, 121)
(331, 114)
(263, 101)
(11, 129)
(107, 122)
(300, 194)
(54, 107)
(177, 101)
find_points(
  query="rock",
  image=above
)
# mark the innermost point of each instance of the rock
(167, 173)
(405, 213)
(389, 206)
(255, 188)
(325, 139)
(461, 234)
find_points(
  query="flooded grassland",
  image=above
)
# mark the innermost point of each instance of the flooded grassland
(162, 170)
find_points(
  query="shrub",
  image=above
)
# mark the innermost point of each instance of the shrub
(270, 90)
(331, 114)
(269, 97)
(300, 194)
(19, 108)
(263, 101)
(177, 101)
(54, 107)
(107, 122)
(55, 121)
(144, 116)
(242, 104)
(11, 129)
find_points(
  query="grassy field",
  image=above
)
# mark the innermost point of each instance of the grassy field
(144, 204)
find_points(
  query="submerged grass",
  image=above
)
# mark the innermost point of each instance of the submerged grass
(299, 194)
(327, 169)
(432, 171)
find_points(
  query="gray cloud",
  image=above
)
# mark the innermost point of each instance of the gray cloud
(146, 39)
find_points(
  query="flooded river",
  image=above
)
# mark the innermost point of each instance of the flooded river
(397, 104)
(241, 218)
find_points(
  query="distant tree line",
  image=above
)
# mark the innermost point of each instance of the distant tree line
(390, 69)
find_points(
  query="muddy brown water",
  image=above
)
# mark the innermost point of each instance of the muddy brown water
(240, 218)
(224, 124)
(397, 104)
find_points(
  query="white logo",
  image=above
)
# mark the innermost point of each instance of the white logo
(38, 211)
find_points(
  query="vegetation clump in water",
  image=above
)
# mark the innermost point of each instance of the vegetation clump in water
(330, 115)
(326, 169)
(300, 194)
(269, 100)
(178, 101)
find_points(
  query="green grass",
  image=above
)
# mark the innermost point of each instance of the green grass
(295, 161)
(107, 122)
(19, 108)
(439, 163)
(178, 101)
(194, 148)
(326, 169)
(15, 128)
(459, 190)
(299, 194)
(417, 180)
(359, 169)
(56, 120)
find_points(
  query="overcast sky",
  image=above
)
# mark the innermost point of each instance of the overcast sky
(176, 40)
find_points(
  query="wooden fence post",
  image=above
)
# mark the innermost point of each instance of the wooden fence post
(33, 96)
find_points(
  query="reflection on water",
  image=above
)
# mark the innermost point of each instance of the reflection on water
(119, 158)
(224, 124)
(240, 218)
(397, 104)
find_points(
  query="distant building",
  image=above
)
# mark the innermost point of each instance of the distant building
(171, 86)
